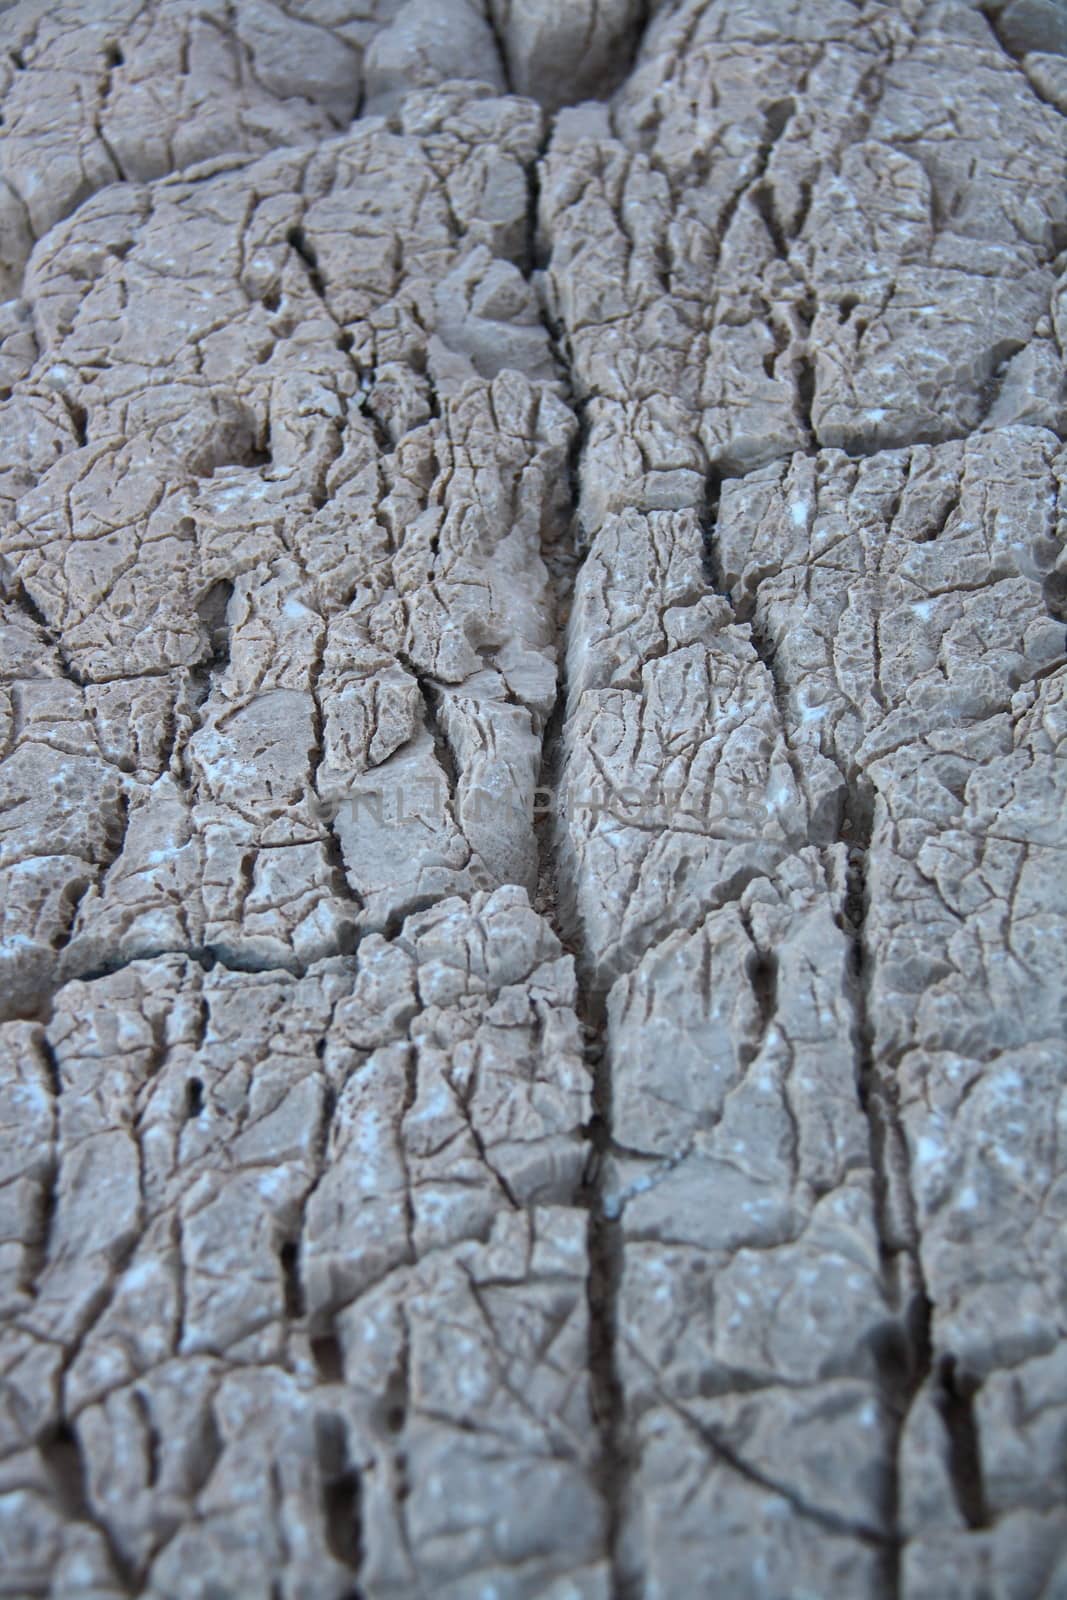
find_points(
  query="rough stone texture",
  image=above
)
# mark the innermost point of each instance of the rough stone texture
(327, 1198)
(532, 757)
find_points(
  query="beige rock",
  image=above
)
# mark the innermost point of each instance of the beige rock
(338, 1209)
(532, 800)
(563, 51)
(430, 42)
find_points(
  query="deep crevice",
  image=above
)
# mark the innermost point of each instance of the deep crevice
(709, 530)
(292, 1282)
(956, 1392)
(903, 1356)
(763, 979)
(804, 372)
(534, 257)
(763, 200)
(342, 1494)
(79, 419)
(61, 1453)
(71, 897)
(328, 1355)
(35, 1258)
(604, 1238)
(445, 755)
(605, 1252)
(298, 243)
(143, 1409)
(24, 600)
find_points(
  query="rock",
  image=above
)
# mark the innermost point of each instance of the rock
(427, 43)
(565, 51)
(532, 800)
(1026, 25)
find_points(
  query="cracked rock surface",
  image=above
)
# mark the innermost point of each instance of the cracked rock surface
(533, 797)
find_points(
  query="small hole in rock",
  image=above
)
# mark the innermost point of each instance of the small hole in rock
(289, 1258)
(777, 115)
(212, 609)
(62, 1456)
(79, 421)
(341, 1497)
(329, 1358)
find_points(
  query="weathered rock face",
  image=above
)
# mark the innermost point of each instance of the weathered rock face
(534, 792)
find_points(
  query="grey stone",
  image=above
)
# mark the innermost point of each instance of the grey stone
(532, 800)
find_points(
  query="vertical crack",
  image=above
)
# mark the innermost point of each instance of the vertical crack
(904, 1357)
(904, 1353)
(79, 418)
(397, 1409)
(442, 749)
(347, 932)
(546, 896)
(604, 1241)
(297, 241)
(328, 1356)
(533, 258)
(564, 557)
(194, 1099)
(956, 1394)
(151, 1437)
(605, 1252)
(709, 526)
(292, 1283)
(35, 1255)
(342, 1496)
(805, 382)
(763, 979)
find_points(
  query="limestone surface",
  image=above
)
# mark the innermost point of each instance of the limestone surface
(533, 800)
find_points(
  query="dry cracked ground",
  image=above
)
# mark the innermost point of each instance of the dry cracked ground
(533, 800)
